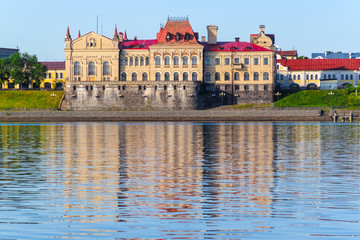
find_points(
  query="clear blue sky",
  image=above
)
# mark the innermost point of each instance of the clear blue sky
(39, 26)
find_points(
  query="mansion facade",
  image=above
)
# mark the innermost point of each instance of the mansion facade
(174, 71)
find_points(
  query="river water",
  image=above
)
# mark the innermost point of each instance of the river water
(180, 181)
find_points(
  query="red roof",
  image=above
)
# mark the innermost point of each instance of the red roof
(288, 53)
(54, 65)
(138, 44)
(178, 32)
(320, 64)
(233, 47)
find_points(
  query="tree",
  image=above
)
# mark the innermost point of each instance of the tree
(25, 69)
(4, 70)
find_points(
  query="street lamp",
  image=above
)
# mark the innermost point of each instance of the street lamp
(331, 93)
(278, 94)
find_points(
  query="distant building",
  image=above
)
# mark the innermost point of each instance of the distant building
(338, 55)
(317, 73)
(287, 54)
(6, 52)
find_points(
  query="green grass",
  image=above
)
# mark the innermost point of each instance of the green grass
(320, 98)
(30, 99)
(249, 106)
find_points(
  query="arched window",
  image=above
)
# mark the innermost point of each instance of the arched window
(227, 76)
(307, 76)
(194, 60)
(147, 60)
(311, 77)
(246, 76)
(176, 60)
(106, 68)
(157, 76)
(217, 76)
(142, 61)
(61, 75)
(131, 61)
(207, 76)
(324, 76)
(123, 76)
(176, 76)
(266, 76)
(346, 77)
(334, 76)
(136, 61)
(167, 76)
(144, 77)
(294, 77)
(91, 68)
(194, 76)
(329, 76)
(256, 76)
(77, 68)
(126, 61)
(236, 76)
(133, 77)
(121, 61)
(157, 60)
(351, 77)
(316, 77)
(185, 76)
(342, 76)
(185, 60)
(167, 60)
(299, 77)
(49, 75)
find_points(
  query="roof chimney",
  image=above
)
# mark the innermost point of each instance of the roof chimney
(237, 39)
(212, 34)
(203, 39)
(262, 28)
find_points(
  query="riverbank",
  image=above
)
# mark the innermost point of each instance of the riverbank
(183, 116)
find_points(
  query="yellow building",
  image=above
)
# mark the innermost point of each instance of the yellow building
(173, 71)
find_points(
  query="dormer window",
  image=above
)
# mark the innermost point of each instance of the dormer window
(168, 37)
(92, 42)
(187, 37)
(177, 37)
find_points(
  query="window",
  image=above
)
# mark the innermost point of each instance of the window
(185, 61)
(266, 61)
(157, 76)
(176, 76)
(316, 77)
(121, 61)
(329, 76)
(207, 76)
(236, 76)
(167, 76)
(123, 76)
(256, 61)
(307, 76)
(91, 68)
(227, 87)
(92, 42)
(185, 76)
(346, 77)
(144, 77)
(77, 68)
(299, 77)
(227, 76)
(61, 75)
(236, 60)
(289, 77)
(256, 87)
(56, 75)
(49, 75)
(246, 87)
(126, 61)
(131, 61)
(246, 61)
(157, 60)
(227, 61)
(342, 76)
(207, 61)
(167, 60)
(194, 76)
(351, 77)
(134, 77)
(294, 77)
(256, 76)
(217, 61)
(136, 61)
(194, 60)
(142, 61)
(311, 77)
(176, 60)
(217, 76)
(237, 87)
(147, 61)
(334, 76)
(266, 87)
(266, 76)
(246, 76)
(324, 76)
(106, 68)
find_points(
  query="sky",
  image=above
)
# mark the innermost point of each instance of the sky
(39, 26)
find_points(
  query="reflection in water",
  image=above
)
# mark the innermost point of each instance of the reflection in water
(177, 180)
